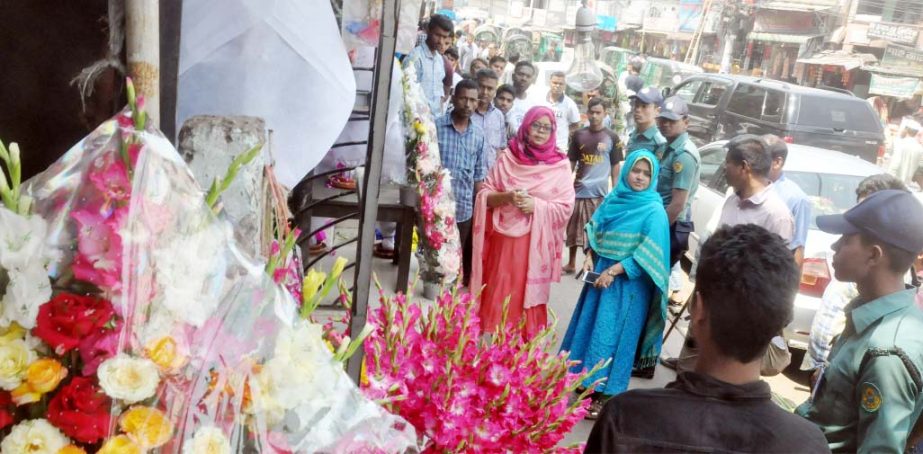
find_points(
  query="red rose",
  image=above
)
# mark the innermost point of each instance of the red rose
(81, 410)
(6, 409)
(65, 320)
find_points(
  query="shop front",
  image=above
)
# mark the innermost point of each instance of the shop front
(835, 69)
(779, 38)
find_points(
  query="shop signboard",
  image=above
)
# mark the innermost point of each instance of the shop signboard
(898, 87)
(775, 21)
(901, 34)
(903, 58)
(662, 18)
(690, 15)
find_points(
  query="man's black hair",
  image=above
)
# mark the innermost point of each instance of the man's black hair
(524, 63)
(459, 33)
(752, 149)
(465, 84)
(486, 73)
(636, 66)
(506, 88)
(440, 21)
(595, 101)
(776, 146)
(560, 74)
(514, 58)
(899, 260)
(748, 281)
(451, 52)
(879, 182)
(483, 62)
(497, 58)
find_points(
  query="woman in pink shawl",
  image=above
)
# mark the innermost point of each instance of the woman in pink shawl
(519, 219)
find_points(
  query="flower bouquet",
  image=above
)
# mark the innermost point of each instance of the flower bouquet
(132, 322)
(465, 391)
(441, 242)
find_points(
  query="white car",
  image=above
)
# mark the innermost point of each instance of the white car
(829, 178)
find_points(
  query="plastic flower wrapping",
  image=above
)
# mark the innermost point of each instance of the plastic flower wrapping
(156, 333)
(441, 242)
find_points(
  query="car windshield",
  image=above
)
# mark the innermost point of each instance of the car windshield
(840, 114)
(829, 193)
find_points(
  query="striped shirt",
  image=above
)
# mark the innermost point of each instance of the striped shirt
(493, 122)
(430, 72)
(463, 155)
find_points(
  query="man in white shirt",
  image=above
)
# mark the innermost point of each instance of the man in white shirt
(565, 109)
(523, 77)
(907, 152)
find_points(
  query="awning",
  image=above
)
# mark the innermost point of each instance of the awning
(794, 5)
(837, 58)
(780, 37)
(902, 72)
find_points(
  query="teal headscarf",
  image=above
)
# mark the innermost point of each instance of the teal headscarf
(634, 224)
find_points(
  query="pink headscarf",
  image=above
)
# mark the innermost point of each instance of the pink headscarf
(528, 153)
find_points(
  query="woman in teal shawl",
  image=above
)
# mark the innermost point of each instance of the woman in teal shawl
(621, 316)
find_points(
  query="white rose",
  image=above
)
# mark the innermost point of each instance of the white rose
(34, 436)
(28, 289)
(208, 440)
(127, 378)
(15, 358)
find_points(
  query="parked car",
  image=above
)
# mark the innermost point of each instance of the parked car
(665, 73)
(724, 106)
(829, 178)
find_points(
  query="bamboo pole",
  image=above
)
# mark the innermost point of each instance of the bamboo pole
(142, 45)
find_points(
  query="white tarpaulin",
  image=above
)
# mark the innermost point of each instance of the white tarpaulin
(281, 60)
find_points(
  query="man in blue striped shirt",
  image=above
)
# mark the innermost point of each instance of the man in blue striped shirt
(427, 60)
(463, 150)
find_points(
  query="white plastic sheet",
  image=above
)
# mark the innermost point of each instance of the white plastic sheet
(281, 60)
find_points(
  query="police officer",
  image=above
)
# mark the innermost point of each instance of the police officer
(868, 396)
(644, 108)
(679, 171)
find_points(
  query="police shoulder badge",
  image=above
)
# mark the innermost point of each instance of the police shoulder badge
(870, 399)
(677, 167)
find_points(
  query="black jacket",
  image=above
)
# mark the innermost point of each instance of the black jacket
(697, 413)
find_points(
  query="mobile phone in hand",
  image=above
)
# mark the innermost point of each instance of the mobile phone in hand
(588, 276)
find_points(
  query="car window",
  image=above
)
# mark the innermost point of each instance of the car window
(711, 160)
(712, 92)
(688, 90)
(757, 102)
(829, 193)
(837, 113)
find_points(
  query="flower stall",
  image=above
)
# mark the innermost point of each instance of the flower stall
(132, 322)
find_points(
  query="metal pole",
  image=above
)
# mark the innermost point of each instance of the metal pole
(142, 45)
(370, 185)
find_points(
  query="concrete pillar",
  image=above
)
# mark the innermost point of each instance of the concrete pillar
(142, 49)
(209, 144)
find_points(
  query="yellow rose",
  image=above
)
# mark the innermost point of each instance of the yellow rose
(168, 354)
(146, 426)
(119, 444)
(42, 377)
(12, 332)
(72, 449)
(15, 357)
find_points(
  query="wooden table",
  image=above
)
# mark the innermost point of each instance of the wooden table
(340, 205)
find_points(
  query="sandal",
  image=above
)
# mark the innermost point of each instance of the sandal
(595, 409)
(382, 253)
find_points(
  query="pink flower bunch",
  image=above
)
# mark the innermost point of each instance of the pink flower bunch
(289, 274)
(465, 391)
